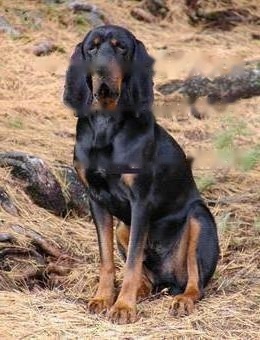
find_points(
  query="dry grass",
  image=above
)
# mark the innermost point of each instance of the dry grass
(33, 120)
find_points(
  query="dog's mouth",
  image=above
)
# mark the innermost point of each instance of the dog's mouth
(105, 91)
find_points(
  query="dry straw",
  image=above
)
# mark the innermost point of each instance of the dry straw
(33, 120)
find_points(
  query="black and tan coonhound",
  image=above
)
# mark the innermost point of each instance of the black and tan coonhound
(135, 171)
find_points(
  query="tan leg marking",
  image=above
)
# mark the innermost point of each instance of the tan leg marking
(122, 236)
(81, 171)
(183, 304)
(105, 295)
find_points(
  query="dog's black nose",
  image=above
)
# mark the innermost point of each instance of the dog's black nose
(101, 66)
(105, 91)
(102, 71)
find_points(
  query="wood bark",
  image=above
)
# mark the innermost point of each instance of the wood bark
(241, 83)
(43, 186)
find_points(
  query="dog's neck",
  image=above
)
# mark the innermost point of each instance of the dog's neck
(105, 125)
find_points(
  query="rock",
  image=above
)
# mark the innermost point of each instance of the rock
(255, 36)
(78, 6)
(6, 27)
(55, 1)
(97, 19)
(140, 14)
(157, 8)
(93, 14)
(44, 48)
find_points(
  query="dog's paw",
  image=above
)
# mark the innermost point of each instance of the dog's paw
(99, 305)
(122, 313)
(182, 305)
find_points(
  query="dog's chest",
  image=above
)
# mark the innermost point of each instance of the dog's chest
(107, 161)
(97, 168)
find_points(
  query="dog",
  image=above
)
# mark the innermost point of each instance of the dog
(135, 171)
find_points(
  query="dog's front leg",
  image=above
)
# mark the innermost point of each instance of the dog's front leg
(105, 294)
(124, 310)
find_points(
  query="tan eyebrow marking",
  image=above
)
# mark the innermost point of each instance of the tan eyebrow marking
(96, 41)
(114, 42)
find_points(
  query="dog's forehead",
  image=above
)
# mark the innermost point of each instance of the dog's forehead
(110, 32)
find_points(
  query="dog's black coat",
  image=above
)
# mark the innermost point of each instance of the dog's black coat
(163, 195)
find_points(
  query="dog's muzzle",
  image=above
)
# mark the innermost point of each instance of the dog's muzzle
(106, 83)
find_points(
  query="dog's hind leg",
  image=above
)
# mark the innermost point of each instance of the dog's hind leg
(201, 254)
(183, 303)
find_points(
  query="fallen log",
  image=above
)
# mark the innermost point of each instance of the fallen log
(241, 83)
(44, 188)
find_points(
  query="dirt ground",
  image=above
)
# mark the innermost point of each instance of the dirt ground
(226, 145)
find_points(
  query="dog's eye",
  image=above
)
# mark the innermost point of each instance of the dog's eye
(92, 50)
(94, 46)
(121, 49)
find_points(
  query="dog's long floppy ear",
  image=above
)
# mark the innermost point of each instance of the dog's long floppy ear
(140, 83)
(78, 84)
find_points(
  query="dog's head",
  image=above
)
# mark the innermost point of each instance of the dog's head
(109, 69)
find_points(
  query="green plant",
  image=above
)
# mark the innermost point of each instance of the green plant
(224, 223)
(205, 182)
(250, 158)
(15, 123)
(257, 224)
(31, 19)
(233, 128)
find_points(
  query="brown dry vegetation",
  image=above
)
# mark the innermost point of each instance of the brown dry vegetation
(226, 145)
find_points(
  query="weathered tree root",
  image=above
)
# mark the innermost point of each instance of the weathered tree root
(43, 187)
(22, 252)
(37, 240)
(6, 237)
(241, 83)
(7, 204)
(39, 263)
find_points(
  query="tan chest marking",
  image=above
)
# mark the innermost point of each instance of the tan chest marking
(128, 179)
